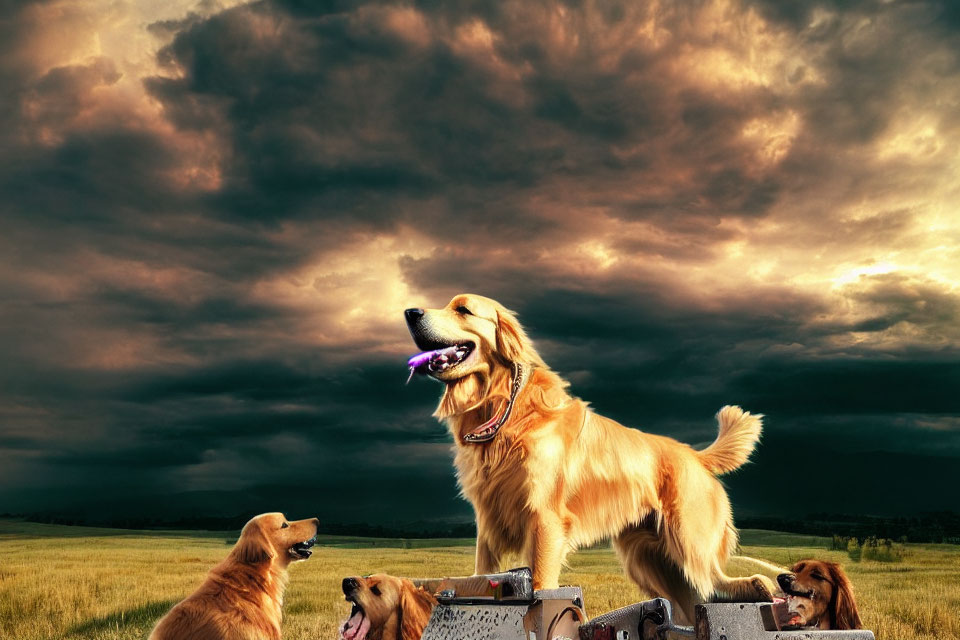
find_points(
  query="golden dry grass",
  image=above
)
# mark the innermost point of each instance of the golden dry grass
(99, 584)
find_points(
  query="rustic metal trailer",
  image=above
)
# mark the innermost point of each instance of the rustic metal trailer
(505, 606)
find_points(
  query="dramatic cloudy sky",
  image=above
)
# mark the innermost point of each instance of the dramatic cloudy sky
(213, 216)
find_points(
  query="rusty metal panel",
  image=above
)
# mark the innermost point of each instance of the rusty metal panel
(476, 622)
(553, 612)
(649, 620)
(753, 621)
(652, 620)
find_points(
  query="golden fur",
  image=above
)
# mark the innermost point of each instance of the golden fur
(558, 476)
(820, 595)
(386, 608)
(242, 596)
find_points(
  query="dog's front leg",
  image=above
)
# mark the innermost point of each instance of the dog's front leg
(545, 550)
(487, 561)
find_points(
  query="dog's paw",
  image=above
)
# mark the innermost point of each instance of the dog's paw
(764, 587)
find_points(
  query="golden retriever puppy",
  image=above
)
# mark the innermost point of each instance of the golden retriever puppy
(546, 475)
(385, 608)
(819, 595)
(242, 596)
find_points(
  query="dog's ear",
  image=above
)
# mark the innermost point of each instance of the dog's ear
(512, 342)
(843, 608)
(415, 608)
(253, 547)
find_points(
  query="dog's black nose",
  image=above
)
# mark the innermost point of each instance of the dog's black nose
(350, 585)
(413, 316)
(785, 580)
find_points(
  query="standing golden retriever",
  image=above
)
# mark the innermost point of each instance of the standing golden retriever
(819, 595)
(385, 608)
(242, 596)
(547, 475)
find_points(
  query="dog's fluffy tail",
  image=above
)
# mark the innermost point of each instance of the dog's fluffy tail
(739, 433)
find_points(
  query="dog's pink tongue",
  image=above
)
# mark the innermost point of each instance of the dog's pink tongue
(356, 627)
(352, 626)
(362, 631)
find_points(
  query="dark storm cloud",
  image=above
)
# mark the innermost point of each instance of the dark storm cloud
(206, 254)
(347, 110)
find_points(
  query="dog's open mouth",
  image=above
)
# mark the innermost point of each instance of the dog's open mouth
(793, 591)
(357, 625)
(301, 550)
(439, 360)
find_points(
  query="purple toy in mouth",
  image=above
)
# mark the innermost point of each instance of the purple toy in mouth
(438, 360)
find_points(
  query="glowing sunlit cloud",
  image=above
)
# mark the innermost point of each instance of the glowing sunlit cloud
(854, 274)
(355, 293)
(740, 50)
(772, 137)
(114, 37)
(408, 23)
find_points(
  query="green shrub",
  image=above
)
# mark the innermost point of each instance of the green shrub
(839, 543)
(872, 548)
(853, 549)
(881, 550)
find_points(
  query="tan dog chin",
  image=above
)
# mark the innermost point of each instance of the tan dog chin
(241, 597)
(385, 608)
(556, 476)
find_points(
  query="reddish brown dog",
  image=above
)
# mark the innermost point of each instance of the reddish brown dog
(819, 595)
(385, 608)
(241, 597)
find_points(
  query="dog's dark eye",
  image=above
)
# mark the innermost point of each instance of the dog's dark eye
(284, 525)
(817, 576)
(462, 309)
(375, 590)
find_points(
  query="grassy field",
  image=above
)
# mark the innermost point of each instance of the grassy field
(99, 584)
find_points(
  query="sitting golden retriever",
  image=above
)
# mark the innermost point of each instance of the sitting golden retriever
(819, 595)
(241, 597)
(385, 608)
(547, 475)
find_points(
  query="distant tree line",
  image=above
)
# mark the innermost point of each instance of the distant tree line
(412, 530)
(938, 526)
(236, 522)
(941, 526)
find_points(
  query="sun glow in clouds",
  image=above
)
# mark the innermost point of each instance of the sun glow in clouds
(856, 273)
(354, 293)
